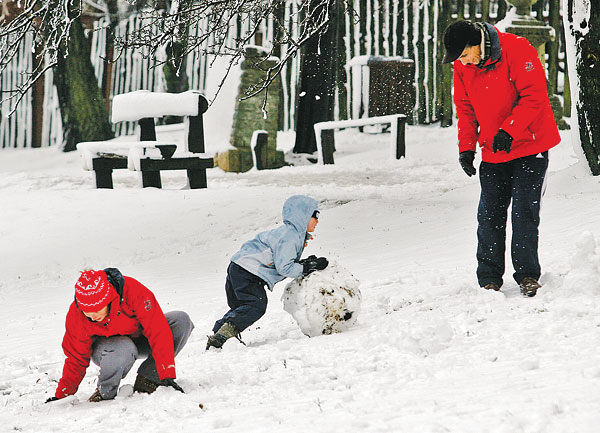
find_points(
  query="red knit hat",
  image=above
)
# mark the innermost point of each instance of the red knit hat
(93, 292)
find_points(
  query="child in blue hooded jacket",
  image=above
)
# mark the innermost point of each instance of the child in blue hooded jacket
(263, 261)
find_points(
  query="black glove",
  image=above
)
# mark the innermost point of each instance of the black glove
(502, 141)
(51, 399)
(308, 259)
(312, 263)
(172, 384)
(466, 159)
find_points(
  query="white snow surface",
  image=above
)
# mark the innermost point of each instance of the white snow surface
(430, 352)
(324, 302)
(142, 104)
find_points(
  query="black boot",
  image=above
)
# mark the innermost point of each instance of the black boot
(225, 332)
(144, 385)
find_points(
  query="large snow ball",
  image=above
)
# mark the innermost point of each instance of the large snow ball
(323, 302)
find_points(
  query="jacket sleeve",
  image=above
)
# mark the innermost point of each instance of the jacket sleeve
(529, 78)
(155, 326)
(467, 122)
(285, 254)
(77, 345)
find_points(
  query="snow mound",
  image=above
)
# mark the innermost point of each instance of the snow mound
(584, 276)
(324, 302)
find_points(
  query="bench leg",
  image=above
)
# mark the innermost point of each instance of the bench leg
(151, 179)
(104, 178)
(197, 178)
(400, 137)
(327, 145)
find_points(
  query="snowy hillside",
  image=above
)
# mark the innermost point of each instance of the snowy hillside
(431, 351)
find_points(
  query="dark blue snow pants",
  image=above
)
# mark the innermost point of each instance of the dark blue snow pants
(522, 181)
(246, 297)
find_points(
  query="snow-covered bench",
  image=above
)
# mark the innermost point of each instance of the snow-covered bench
(146, 154)
(324, 132)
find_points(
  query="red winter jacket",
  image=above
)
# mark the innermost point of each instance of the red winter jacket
(509, 94)
(136, 314)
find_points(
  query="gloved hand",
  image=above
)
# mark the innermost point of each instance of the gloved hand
(308, 259)
(466, 159)
(312, 263)
(502, 141)
(51, 399)
(172, 384)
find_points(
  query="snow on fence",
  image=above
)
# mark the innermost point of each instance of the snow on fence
(15, 131)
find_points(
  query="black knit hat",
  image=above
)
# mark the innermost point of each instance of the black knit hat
(457, 37)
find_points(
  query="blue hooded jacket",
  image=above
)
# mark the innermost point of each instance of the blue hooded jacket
(273, 255)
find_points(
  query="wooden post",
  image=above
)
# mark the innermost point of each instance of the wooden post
(196, 128)
(147, 130)
(104, 178)
(197, 178)
(327, 145)
(151, 179)
(400, 139)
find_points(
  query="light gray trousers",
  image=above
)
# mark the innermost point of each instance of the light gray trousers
(115, 355)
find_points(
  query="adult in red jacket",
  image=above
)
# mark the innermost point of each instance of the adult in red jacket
(502, 104)
(115, 320)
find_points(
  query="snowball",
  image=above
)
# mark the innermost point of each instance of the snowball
(324, 302)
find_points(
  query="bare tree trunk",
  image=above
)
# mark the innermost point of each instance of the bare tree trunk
(552, 46)
(340, 61)
(317, 85)
(588, 67)
(444, 107)
(83, 110)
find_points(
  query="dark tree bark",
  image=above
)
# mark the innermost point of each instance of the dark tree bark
(444, 77)
(82, 107)
(588, 71)
(316, 99)
(340, 61)
(552, 46)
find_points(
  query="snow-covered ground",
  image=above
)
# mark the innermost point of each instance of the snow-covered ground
(431, 351)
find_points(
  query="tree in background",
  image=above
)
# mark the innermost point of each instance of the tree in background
(60, 43)
(316, 100)
(55, 22)
(82, 105)
(582, 23)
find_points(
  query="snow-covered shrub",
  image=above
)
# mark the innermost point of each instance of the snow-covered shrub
(324, 302)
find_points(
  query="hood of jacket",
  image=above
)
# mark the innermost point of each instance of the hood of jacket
(297, 211)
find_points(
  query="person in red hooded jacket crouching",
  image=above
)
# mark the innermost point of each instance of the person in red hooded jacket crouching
(113, 321)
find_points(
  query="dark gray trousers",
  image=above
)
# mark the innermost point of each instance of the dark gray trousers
(115, 355)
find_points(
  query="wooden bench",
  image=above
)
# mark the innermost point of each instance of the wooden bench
(147, 155)
(324, 132)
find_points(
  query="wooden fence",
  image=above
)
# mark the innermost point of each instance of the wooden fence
(407, 28)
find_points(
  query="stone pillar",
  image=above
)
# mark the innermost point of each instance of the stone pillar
(249, 116)
(537, 33)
